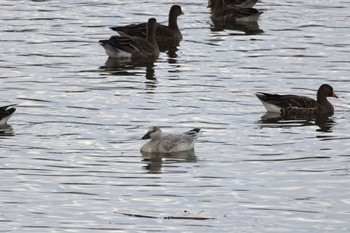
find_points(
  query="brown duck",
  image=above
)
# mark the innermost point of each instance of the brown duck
(237, 3)
(164, 34)
(132, 47)
(299, 105)
(222, 13)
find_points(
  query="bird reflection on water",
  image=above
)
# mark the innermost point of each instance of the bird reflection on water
(6, 130)
(249, 28)
(127, 67)
(276, 120)
(155, 161)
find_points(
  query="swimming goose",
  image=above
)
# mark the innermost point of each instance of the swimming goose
(5, 113)
(170, 33)
(133, 47)
(169, 143)
(238, 3)
(222, 13)
(299, 105)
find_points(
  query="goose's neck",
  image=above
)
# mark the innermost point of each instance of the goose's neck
(327, 107)
(156, 136)
(151, 35)
(172, 21)
(321, 99)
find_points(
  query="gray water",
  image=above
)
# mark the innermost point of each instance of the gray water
(70, 161)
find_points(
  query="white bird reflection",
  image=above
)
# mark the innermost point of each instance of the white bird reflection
(155, 161)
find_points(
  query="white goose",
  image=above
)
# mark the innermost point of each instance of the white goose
(169, 143)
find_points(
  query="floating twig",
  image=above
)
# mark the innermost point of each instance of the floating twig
(167, 217)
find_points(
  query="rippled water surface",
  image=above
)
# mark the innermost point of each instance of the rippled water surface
(70, 161)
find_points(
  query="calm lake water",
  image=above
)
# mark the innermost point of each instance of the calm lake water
(70, 161)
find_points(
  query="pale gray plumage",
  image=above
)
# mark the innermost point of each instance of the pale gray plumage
(299, 105)
(164, 34)
(168, 143)
(133, 47)
(5, 113)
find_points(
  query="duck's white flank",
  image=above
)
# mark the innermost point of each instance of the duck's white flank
(271, 107)
(116, 53)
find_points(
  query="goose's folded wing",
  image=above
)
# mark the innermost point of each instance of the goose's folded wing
(138, 30)
(169, 142)
(130, 44)
(287, 101)
(299, 111)
(294, 101)
(242, 3)
(121, 43)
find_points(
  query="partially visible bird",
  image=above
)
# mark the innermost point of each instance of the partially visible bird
(164, 34)
(168, 143)
(132, 47)
(237, 3)
(5, 113)
(299, 105)
(225, 14)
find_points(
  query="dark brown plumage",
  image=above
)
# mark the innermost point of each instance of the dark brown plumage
(133, 47)
(5, 113)
(164, 34)
(300, 105)
(237, 3)
(225, 14)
